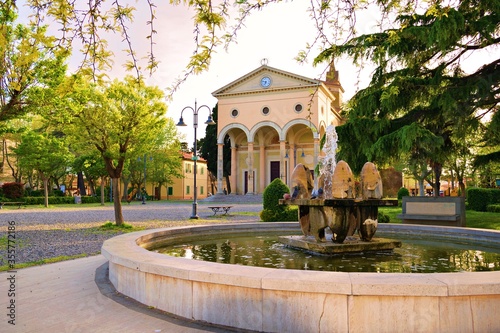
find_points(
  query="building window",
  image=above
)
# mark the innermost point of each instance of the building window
(234, 113)
(188, 189)
(201, 189)
(298, 108)
(170, 190)
(202, 170)
(265, 110)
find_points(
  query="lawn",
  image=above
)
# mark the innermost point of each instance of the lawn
(482, 220)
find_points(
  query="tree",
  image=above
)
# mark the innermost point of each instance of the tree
(47, 155)
(28, 59)
(91, 165)
(420, 96)
(116, 119)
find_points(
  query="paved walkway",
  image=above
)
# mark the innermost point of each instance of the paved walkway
(76, 296)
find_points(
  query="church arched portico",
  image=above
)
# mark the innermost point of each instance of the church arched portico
(274, 123)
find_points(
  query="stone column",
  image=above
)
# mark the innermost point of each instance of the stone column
(262, 169)
(282, 162)
(250, 169)
(234, 170)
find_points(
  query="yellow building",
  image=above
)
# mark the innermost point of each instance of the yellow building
(183, 188)
(275, 120)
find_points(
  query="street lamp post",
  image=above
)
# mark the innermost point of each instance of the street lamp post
(194, 213)
(144, 192)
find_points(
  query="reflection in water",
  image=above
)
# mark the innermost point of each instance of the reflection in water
(415, 256)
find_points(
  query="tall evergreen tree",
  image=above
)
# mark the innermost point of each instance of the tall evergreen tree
(420, 96)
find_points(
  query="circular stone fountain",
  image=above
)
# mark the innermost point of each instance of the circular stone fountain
(280, 300)
(276, 300)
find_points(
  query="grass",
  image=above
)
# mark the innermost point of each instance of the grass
(481, 220)
(110, 226)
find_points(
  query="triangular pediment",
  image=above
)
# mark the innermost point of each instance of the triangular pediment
(255, 82)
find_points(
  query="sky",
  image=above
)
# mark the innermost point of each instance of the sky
(277, 32)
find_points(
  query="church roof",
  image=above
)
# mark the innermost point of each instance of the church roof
(251, 82)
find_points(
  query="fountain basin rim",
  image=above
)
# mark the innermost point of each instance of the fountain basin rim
(130, 251)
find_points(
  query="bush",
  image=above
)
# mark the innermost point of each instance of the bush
(495, 208)
(403, 192)
(273, 211)
(479, 198)
(383, 218)
(56, 193)
(13, 191)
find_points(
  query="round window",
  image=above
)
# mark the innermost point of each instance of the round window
(298, 108)
(234, 113)
(265, 110)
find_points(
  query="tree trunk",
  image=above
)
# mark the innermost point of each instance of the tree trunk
(421, 186)
(117, 202)
(102, 191)
(81, 183)
(46, 191)
(437, 174)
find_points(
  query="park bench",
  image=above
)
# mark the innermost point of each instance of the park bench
(217, 209)
(444, 211)
(14, 203)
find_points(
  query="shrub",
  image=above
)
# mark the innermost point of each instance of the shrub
(273, 211)
(383, 218)
(56, 193)
(13, 191)
(495, 208)
(403, 192)
(479, 198)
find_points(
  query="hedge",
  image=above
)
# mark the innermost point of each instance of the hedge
(479, 198)
(58, 200)
(495, 208)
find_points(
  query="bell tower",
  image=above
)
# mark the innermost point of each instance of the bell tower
(333, 84)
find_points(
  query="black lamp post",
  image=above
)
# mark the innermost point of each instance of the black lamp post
(194, 214)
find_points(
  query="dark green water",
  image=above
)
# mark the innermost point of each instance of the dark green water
(415, 256)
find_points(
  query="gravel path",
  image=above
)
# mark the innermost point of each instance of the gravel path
(46, 233)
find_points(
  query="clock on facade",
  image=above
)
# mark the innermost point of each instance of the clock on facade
(265, 82)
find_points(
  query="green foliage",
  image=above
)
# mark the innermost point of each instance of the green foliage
(59, 200)
(479, 198)
(495, 208)
(13, 191)
(273, 193)
(421, 103)
(403, 192)
(273, 211)
(383, 218)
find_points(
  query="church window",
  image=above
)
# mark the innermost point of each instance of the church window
(265, 110)
(298, 108)
(234, 113)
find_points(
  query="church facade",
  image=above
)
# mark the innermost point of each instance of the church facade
(275, 120)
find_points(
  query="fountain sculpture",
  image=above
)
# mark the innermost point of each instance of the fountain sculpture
(337, 204)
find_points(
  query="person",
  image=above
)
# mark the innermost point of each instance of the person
(225, 191)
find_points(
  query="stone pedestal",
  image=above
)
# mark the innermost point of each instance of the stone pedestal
(350, 245)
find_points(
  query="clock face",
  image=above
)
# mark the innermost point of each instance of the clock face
(265, 81)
